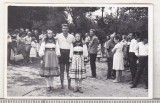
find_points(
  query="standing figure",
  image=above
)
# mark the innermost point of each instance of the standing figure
(28, 40)
(36, 35)
(64, 40)
(125, 51)
(33, 51)
(99, 53)
(106, 54)
(118, 61)
(109, 46)
(87, 39)
(77, 54)
(142, 53)
(14, 40)
(9, 47)
(133, 57)
(93, 49)
(42, 37)
(49, 51)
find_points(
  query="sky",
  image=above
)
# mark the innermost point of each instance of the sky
(98, 13)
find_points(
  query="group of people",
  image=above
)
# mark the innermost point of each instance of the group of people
(67, 52)
(24, 42)
(127, 52)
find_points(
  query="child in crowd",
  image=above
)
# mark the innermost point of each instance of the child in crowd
(99, 53)
(77, 53)
(33, 51)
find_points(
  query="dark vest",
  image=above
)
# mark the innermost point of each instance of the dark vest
(77, 44)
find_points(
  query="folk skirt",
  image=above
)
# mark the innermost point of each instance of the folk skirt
(50, 67)
(77, 68)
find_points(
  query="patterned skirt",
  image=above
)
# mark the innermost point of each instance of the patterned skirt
(77, 70)
(50, 67)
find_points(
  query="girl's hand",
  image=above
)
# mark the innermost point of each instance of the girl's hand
(41, 62)
(70, 60)
(58, 55)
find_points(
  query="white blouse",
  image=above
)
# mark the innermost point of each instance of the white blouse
(49, 45)
(79, 49)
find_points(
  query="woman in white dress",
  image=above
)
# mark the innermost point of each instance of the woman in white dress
(118, 61)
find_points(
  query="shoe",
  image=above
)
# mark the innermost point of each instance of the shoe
(115, 81)
(70, 88)
(49, 89)
(62, 86)
(131, 82)
(108, 77)
(75, 89)
(92, 76)
(80, 90)
(146, 87)
(133, 86)
(31, 62)
(113, 77)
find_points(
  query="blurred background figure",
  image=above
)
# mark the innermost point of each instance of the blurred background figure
(109, 46)
(93, 49)
(87, 39)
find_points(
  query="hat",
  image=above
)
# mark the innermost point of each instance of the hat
(64, 25)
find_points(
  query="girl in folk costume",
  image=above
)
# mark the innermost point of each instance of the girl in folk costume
(49, 51)
(77, 53)
(118, 61)
(33, 51)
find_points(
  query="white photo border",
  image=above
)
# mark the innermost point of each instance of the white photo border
(150, 37)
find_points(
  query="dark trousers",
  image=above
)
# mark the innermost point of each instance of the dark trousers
(93, 64)
(111, 72)
(133, 64)
(142, 68)
(64, 63)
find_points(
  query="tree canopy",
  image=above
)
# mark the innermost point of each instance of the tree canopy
(123, 21)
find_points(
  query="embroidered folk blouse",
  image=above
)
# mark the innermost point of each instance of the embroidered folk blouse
(78, 47)
(49, 45)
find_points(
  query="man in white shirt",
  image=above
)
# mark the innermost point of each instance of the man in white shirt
(142, 54)
(133, 57)
(64, 40)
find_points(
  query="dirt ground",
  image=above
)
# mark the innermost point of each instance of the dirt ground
(24, 81)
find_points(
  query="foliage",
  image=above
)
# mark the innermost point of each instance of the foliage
(123, 21)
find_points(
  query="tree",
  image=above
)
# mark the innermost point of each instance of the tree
(79, 19)
(128, 19)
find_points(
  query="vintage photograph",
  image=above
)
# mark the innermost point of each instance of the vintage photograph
(74, 51)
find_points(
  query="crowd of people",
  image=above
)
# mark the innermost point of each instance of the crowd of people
(71, 52)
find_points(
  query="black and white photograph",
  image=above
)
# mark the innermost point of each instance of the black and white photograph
(78, 51)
